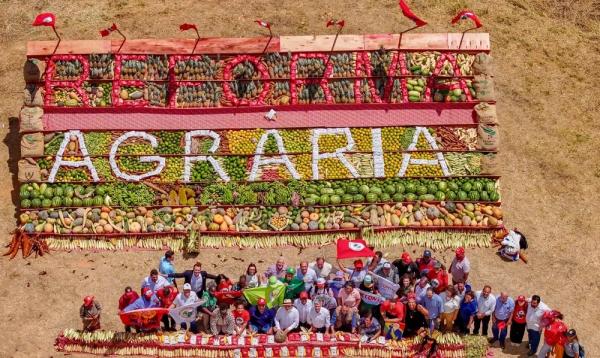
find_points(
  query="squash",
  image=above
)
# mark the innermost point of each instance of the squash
(313, 217)
(218, 219)
(224, 226)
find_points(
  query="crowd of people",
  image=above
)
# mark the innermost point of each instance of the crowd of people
(320, 297)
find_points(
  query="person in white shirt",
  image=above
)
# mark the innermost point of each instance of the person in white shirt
(318, 319)
(321, 267)
(376, 262)
(461, 289)
(306, 274)
(535, 311)
(421, 288)
(486, 303)
(460, 267)
(186, 297)
(303, 305)
(155, 282)
(286, 318)
(451, 306)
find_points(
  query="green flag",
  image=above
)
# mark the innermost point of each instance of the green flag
(294, 287)
(273, 293)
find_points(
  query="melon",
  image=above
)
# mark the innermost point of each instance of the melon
(467, 187)
(335, 199)
(473, 195)
(440, 195)
(421, 190)
(364, 189)
(385, 197)
(398, 197)
(400, 188)
(410, 188)
(77, 202)
(98, 200)
(371, 197)
(36, 203)
(25, 203)
(432, 189)
(347, 199)
(324, 200)
(451, 195)
(352, 189)
(57, 201)
(359, 198)
(68, 201)
(411, 197)
(462, 195)
(46, 203)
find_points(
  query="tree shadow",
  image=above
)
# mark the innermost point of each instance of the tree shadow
(12, 142)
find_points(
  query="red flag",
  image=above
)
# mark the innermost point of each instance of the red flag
(347, 249)
(107, 31)
(186, 26)
(332, 22)
(467, 14)
(407, 12)
(264, 24)
(45, 19)
(145, 319)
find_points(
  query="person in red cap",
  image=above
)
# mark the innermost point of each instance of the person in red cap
(357, 274)
(167, 295)
(406, 266)
(440, 275)
(519, 320)
(460, 267)
(261, 318)
(90, 314)
(304, 305)
(126, 299)
(425, 263)
(554, 333)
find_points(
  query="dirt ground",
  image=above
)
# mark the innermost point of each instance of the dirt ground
(546, 59)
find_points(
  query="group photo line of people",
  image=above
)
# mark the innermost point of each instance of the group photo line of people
(378, 298)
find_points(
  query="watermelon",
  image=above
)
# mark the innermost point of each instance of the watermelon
(390, 189)
(57, 201)
(467, 186)
(364, 189)
(46, 203)
(494, 196)
(36, 203)
(421, 190)
(77, 202)
(311, 189)
(453, 186)
(59, 191)
(24, 193)
(451, 195)
(347, 199)
(432, 188)
(442, 186)
(49, 192)
(462, 195)
(335, 199)
(411, 188)
(339, 191)
(352, 189)
(25, 203)
(485, 196)
(474, 195)
(478, 186)
(376, 190)
(400, 188)
(359, 198)
(490, 186)
(87, 202)
(440, 195)
(326, 191)
(98, 200)
(385, 197)
(371, 197)
(324, 200)
(69, 192)
(398, 197)
(411, 197)
(100, 190)
(307, 201)
(68, 201)
(426, 197)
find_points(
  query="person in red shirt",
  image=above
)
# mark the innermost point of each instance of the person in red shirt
(241, 317)
(519, 320)
(167, 295)
(126, 299)
(392, 312)
(425, 263)
(440, 275)
(554, 333)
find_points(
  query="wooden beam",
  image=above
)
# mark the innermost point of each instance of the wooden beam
(411, 41)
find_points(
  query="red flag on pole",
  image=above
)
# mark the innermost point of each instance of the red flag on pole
(347, 249)
(45, 19)
(186, 26)
(107, 31)
(332, 22)
(407, 12)
(467, 14)
(264, 24)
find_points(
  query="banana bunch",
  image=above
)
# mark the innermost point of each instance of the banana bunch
(363, 164)
(464, 62)
(462, 164)
(422, 63)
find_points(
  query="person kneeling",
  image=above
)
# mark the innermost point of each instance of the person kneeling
(221, 320)
(261, 318)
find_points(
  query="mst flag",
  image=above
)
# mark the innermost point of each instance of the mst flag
(45, 19)
(332, 22)
(407, 12)
(347, 249)
(107, 31)
(186, 26)
(467, 14)
(264, 24)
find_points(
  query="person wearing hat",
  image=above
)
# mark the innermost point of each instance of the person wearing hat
(147, 300)
(344, 319)
(425, 263)
(287, 318)
(519, 320)
(535, 312)
(460, 266)
(336, 284)
(279, 269)
(502, 318)
(261, 318)
(293, 284)
(349, 295)
(421, 288)
(221, 320)
(127, 298)
(186, 297)
(319, 319)
(368, 285)
(90, 314)
(323, 294)
(303, 304)
(355, 275)
(406, 266)
(572, 348)
(196, 277)
(388, 272)
(554, 334)
(416, 316)
(440, 275)
(321, 267)
(307, 275)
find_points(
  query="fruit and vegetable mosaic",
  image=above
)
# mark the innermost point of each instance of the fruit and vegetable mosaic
(433, 184)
